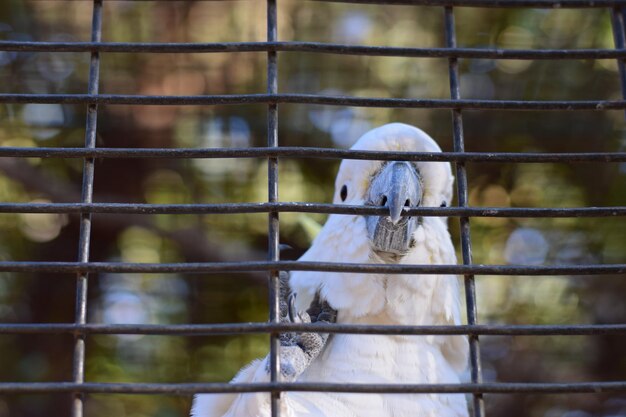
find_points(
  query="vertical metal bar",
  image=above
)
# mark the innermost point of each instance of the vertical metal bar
(78, 374)
(272, 188)
(619, 36)
(466, 244)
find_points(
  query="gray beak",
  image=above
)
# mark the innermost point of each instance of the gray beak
(397, 186)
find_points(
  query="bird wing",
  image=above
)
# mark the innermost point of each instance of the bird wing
(297, 351)
(231, 405)
(217, 405)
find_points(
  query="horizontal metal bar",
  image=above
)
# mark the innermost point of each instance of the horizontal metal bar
(313, 47)
(549, 4)
(188, 389)
(247, 328)
(309, 152)
(292, 207)
(248, 266)
(320, 99)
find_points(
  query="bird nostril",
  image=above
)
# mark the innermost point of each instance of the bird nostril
(407, 203)
(384, 201)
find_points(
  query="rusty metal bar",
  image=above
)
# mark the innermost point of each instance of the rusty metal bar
(462, 195)
(78, 374)
(321, 99)
(310, 47)
(247, 266)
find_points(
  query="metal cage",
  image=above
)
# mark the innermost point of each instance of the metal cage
(273, 46)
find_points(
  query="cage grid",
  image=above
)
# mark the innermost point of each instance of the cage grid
(78, 387)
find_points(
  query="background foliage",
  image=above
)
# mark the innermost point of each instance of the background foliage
(169, 298)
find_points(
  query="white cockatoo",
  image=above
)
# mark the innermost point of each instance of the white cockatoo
(370, 298)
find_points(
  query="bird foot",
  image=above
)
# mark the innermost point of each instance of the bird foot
(298, 350)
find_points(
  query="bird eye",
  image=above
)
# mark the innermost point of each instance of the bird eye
(344, 193)
(444, 204)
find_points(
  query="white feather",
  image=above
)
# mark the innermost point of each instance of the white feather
(373, 299)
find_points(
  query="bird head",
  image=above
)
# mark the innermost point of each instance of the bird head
(394, 185)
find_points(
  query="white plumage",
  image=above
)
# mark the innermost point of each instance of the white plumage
(373, 299)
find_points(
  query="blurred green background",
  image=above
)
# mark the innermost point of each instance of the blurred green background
(175, 299)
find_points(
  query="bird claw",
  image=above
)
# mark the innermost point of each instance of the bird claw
(321, 311)
(298, 350)
(291, 308)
